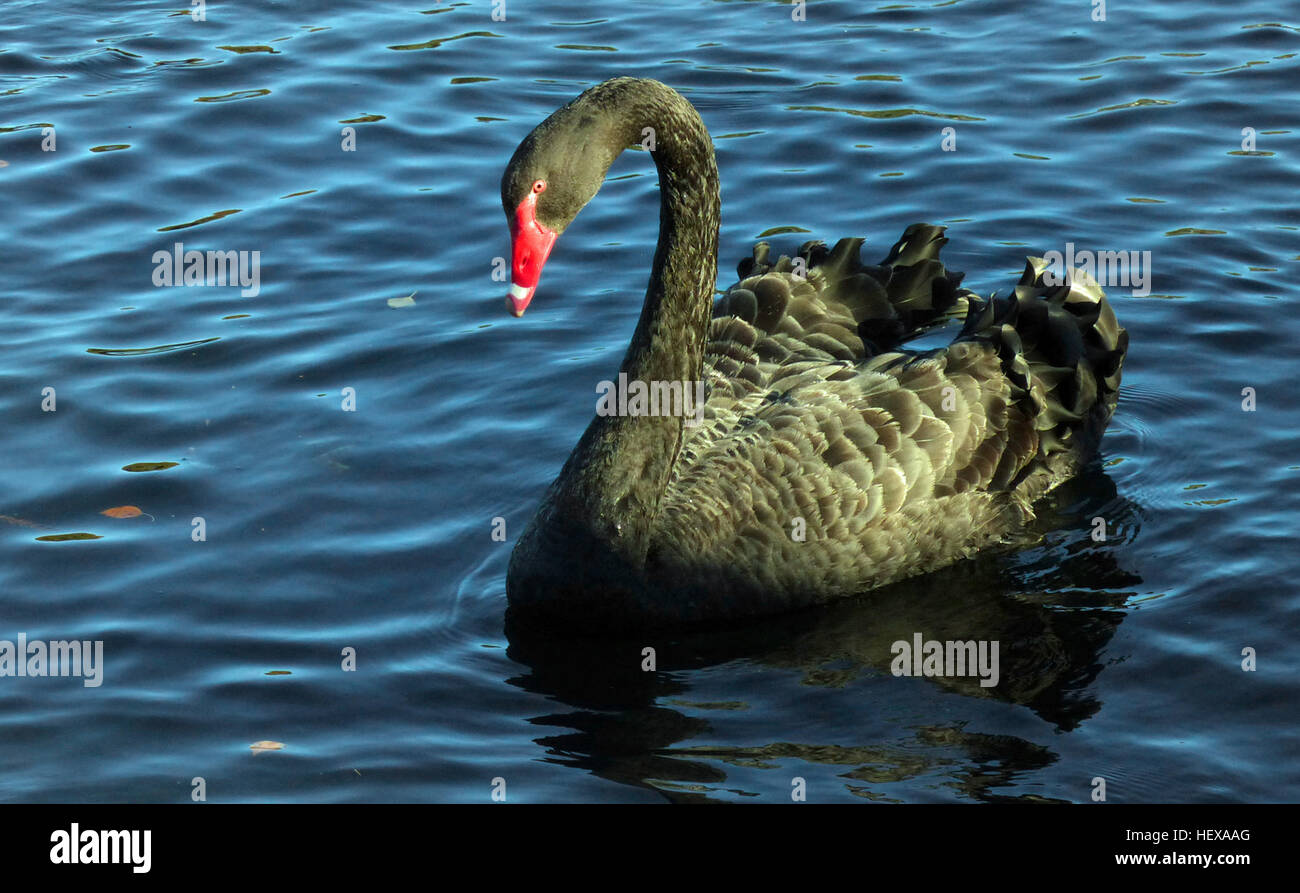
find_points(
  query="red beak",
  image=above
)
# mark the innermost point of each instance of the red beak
(530, 245)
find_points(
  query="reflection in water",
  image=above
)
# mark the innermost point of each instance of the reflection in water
(1052, 607)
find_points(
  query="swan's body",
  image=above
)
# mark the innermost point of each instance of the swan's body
(830, 460)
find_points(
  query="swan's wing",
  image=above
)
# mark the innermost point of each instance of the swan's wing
(825, 293)
(806, 424)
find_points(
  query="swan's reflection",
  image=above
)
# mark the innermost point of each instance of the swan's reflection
(1052, 607)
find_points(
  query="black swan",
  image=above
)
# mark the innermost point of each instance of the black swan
(828, 459)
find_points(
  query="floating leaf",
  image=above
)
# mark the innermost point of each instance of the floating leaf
(279, 673)
(403, 302)
(123, 511)
(259, 746)
(149, 466)
(21, 522)
(66, 537)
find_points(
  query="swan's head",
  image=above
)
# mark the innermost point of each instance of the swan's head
(556, 170)
(530, 244)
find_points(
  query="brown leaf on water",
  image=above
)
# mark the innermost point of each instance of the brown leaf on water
(279, 673)
(259, 746)
(67, 537)
(123, 511)
(149, 466)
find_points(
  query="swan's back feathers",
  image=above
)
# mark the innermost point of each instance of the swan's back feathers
(883, 305)
(830, 459)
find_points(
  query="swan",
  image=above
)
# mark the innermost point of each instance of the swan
(828, 459)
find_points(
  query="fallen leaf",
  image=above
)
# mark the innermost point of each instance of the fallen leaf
(279, 673)
(403, 302)
(123, 511)
(66, 537)
(260, 746)
(149, 466)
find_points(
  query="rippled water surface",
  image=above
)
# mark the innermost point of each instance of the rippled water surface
(372, 529)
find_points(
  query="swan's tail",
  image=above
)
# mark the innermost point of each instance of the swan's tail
(901, 297)
(1062, 350)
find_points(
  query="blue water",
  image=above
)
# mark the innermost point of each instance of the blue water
(372, 529)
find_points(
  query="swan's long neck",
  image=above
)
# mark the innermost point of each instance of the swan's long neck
(669, 339)
(613, 481)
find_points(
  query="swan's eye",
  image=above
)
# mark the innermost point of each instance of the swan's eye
(539, 186)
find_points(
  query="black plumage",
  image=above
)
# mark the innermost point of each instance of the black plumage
(830, 459)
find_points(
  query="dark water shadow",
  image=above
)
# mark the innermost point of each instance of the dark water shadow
(1052, 607)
